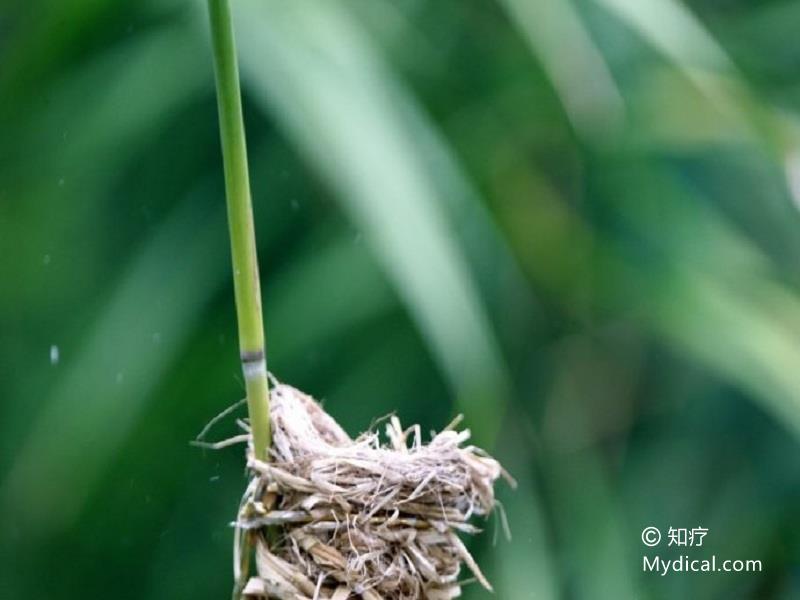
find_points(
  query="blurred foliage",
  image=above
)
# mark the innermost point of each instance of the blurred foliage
(573, 220)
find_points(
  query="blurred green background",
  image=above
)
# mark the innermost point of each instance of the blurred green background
(574, 220)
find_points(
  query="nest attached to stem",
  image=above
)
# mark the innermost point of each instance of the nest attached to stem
(335, 518)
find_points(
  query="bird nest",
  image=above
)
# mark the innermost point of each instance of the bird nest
(331, 517)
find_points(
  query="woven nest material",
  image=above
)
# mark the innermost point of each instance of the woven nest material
(335, 518)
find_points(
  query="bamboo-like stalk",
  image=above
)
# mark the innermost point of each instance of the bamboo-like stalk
(240, 220)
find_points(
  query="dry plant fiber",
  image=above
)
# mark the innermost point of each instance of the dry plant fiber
(334, 518)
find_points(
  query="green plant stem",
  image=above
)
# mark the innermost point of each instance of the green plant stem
(240, 220)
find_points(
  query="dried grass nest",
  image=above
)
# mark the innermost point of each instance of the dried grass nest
(335, 518)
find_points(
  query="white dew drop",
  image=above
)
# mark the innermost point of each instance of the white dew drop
(54, 355)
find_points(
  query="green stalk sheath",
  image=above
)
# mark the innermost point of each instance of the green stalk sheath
(240, 220)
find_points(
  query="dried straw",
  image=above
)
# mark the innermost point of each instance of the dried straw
(336, 518)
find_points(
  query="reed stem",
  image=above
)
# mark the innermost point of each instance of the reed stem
(240, 220)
